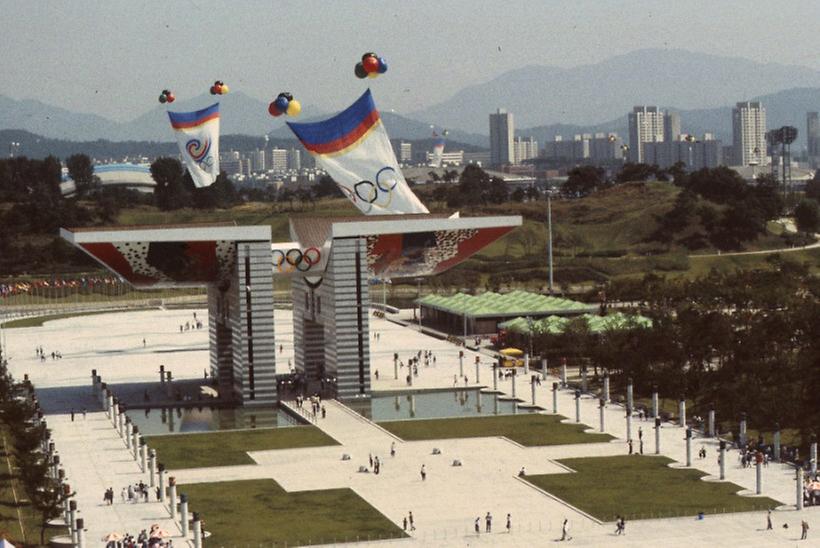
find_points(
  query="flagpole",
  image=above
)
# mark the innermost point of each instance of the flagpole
(549, 241)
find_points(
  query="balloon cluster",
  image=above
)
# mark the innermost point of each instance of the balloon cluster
(284, 104)
(166, 97)
(370, 66)
(219, 88)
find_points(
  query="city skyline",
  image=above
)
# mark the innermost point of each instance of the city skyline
(112, 58)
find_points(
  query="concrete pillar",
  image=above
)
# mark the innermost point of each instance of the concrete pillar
(162, 374)
(776, 442)
(460, 364)
(72, 520)
(161, 483)
(152, 468)
(628, 423)
(655, 401)
(169, 385)
(577, 406)
(115, 419)
(55, 465)
(682, 412)
(526, 363)
(798, 480)
(602, 412)
(711, 421)
(172, 497)
(532, 386)
(143, 456)
(555, 397)
(513, 383)
(129, 432)
(688, 447)
(395, 365)
(412, 405)
(410, 365)
(183, 514)
(813, 453)
(657, 435)
(80, 533)
(606, 387)
(584, 379)
(477, 362)
(121, 422)
(135, 443)
(630, 403)
(563, 372)
(197, 526)
(758, 473)
(495, 376)
(722, 459)
(742, 436)
(543, 369)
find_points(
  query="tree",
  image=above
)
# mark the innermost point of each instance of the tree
(637, 172)
(81, 170)
(813, 187)
(326, 186)
(807, 216)
(170, 192)
(584, 180)
(518, 195)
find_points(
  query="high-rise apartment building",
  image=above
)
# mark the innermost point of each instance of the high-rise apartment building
(279, 159)
(405, 152)
(501, 138)
(524, 148)
(671, 126)
(258, 160)
(813, 139)
(749, 134)
(646, 125)
(295, 159)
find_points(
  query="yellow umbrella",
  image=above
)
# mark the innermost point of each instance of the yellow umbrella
(515, 352)
(113, 537)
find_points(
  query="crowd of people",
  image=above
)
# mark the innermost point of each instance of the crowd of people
(155, 537)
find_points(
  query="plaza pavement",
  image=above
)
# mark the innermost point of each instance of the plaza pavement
(444, 505)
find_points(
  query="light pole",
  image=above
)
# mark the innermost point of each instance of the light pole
(418, 298)
(549, 241)
(14, 146)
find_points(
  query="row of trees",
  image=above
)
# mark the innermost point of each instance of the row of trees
(746, 341)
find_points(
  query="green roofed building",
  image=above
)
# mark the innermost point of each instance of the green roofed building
(463, 314)
(556, 324)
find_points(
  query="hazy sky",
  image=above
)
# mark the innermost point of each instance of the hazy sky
(112, 58)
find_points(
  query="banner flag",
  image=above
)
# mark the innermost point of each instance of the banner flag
(198, 137)
(438, 150)
(354, 149)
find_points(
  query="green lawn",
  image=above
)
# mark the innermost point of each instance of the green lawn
(253, 512)
(642, 487)
(528, 429)
(229, 448)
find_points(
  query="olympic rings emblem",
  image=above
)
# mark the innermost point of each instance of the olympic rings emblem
(374, 194)
(295, 259)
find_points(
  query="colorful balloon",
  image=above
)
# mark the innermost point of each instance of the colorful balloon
(382, 65)
(282, 103)
(162, 98)
(368, 54)
(294, 108)
(224, 88)
(213, 90)
(359, 70)
(273, 110)
(371, 64)
(170, 97)
(373, 74)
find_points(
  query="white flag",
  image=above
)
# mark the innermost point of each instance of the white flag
(198, 137)
(353, 147)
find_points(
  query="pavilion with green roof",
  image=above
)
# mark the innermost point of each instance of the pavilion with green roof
(463, 314)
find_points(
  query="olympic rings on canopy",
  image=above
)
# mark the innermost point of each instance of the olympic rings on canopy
(295, 259)
(394, 179)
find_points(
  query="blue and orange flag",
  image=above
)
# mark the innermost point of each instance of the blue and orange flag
(354, 149)
(198, 137)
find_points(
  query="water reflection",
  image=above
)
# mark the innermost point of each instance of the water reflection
(152, 422)
(435, 404)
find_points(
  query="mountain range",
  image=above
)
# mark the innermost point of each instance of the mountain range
(548, 100)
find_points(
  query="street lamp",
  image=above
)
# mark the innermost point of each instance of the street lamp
(14, 146)
(418, 298)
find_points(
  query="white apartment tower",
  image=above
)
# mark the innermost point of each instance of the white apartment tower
(749, 133)
(524, 148)
(646, 125)
(501, 138)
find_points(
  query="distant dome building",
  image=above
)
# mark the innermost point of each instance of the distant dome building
(130, 176)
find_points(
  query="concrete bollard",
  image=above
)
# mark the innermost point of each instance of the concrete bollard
(461, 364)
(152, 468)
(162, 374)
(396, 366)
(513, 383)
(577, 406)
(143, 456)
(688, 447)
(72, 520)
(555, 398)
(532, 386)
(584, 378)
(711, 421)
(183, 514)
(544, 369)
(722, 460)
(655, 401)
(758, 473)
(197, 526)
(606, 387)
(172, 497)
(798, 480)
(80, 533)
(495, 377)
(129, 432)
(628, 423)
(630, 394)
(412, 405)
(563, 372)
(135, 442)
(657, 435)
(477, 362)
(776, 442)
(682, 412)
(813, 453)
(526, 363)
(115, 419)
(121, 422)
(161, 482)
(602, 412)
(742, 434)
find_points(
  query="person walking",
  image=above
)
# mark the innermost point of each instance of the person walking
(478, 525)
(488, 523)
(412, 521)
(629, 442)
(565, 530)
(423, 473)
(84, 412)
(804, 527)
(509, 523)
(404, 523)
(769, 520)
(393, 449)
(72, 414)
